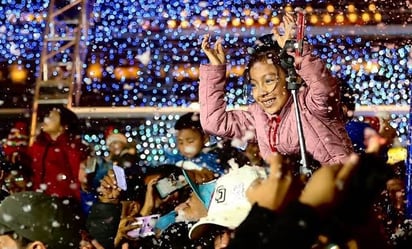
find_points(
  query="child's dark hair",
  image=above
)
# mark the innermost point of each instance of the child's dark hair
(190, 120)
(264, 49)
(67, 118)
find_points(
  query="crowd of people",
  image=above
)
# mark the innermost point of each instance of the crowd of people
(57, 193)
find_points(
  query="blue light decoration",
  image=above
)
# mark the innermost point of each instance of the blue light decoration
(408, 171)
(121, 30)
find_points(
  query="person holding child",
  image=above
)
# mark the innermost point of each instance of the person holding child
(272, 118)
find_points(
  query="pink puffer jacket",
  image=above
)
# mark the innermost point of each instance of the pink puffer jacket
(326, 138)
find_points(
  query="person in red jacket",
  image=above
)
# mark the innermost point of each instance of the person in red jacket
(57, 153)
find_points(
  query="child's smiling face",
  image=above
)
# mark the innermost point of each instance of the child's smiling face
(269, 86)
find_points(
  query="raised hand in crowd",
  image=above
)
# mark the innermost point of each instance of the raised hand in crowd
(150, 198)
(215, 54)
(327, 184)
(288, 29)
(109, 192)
(271, 192)
(127, 223)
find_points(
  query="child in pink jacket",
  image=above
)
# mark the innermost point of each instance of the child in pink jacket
(272, 117)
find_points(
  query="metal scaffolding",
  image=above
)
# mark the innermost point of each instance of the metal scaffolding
(62, 57)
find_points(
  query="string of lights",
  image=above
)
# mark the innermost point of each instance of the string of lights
(146, 53)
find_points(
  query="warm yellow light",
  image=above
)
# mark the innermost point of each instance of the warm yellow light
(247, 12)
(179, 72)
(378, 17)
(184, 24)
(288, 8)
(30, 17)
(262, 20)
(275, 20)
(124, 72)
(267, 11)
(309, 9)
(210, 22)
(39, 18)
(197, 23)
(351, 8)
(133, 72)
(193, 72)
(330, 8)
(353, 17)
(366, 17)
(171, 23)
(340, 18)
(237, 70)
(326, 18)
(249, 21)
(371, 67)
(18, 74)
(372, 7)
(223, 22)
(226, 12)
(120, 73)
(95, 71)
(236, 22)
(314, 19)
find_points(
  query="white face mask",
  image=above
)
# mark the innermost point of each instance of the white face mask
(190, 149)
(46, 120)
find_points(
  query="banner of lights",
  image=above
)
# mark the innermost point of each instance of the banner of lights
(147, 53)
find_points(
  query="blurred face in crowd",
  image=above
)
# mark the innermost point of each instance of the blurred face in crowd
(190, 142)
(268, 86)
(6, 241)
(116, 147)
(192, 209)
(51, 123)
(13, 241)
(16, 182)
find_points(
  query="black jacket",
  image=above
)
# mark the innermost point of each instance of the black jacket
(103, 221)
(296, 228)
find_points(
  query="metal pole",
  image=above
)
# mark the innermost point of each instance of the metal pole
(294, 86)
(304, 169)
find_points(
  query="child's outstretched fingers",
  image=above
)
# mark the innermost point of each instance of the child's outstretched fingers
(215, 54)
(346, 170)
(275, 162)
(205, 42)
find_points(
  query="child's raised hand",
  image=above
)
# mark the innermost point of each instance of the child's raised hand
(327, 184)
(215, 54)
(271, 192)
(288, 26)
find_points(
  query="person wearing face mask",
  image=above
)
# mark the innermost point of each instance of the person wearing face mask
(201, 164)
(57, 153)
(121, 153)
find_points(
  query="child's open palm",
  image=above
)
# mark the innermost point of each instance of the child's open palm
(289, 29)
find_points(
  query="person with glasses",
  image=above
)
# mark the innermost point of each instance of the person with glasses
(271, 119)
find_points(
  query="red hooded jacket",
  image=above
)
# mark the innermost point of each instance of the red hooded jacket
(56, 164)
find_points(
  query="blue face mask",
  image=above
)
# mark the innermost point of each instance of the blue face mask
(205, 192)
(165, 221)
